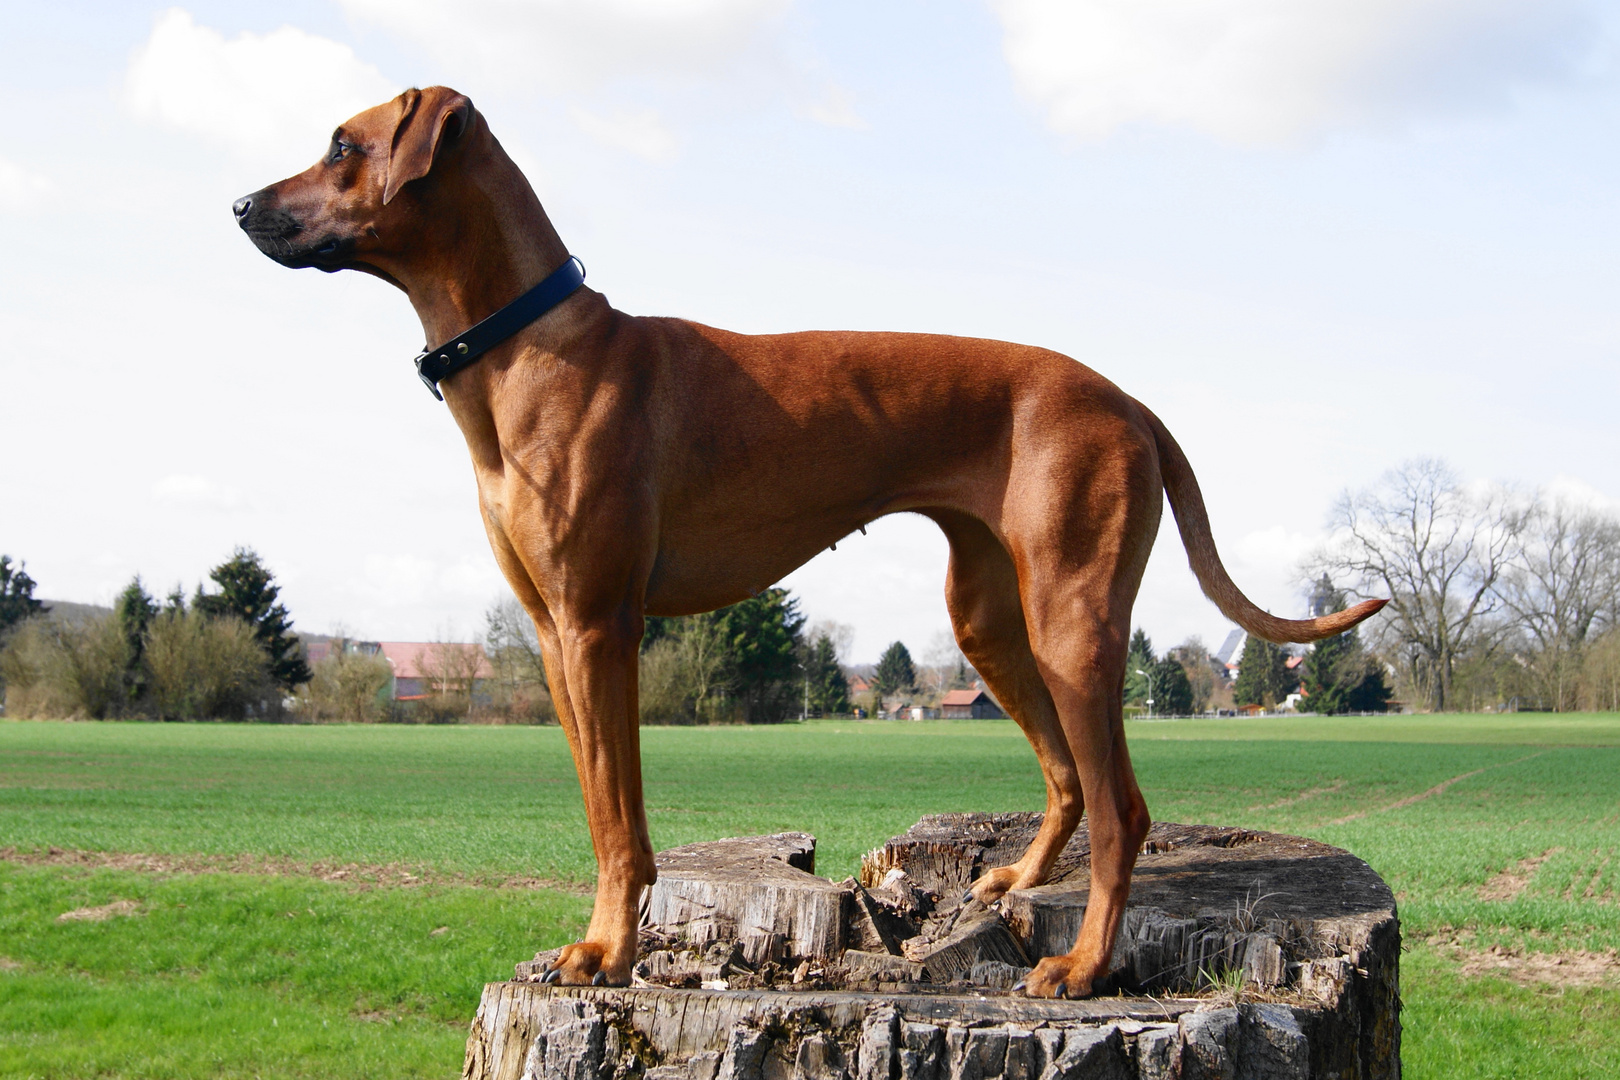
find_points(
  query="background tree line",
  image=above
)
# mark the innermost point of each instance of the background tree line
(1497, 597)
(753, 662)
(226, 653)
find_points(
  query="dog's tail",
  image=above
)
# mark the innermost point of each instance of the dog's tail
(1187, 502)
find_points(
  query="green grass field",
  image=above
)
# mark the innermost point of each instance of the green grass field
(239, 958)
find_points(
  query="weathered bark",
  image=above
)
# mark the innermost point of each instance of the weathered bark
(911, 985)
(760, 892)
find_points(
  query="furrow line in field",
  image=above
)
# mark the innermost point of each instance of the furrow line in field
(1438, 789)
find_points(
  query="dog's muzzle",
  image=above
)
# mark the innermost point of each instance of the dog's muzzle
(280, 235)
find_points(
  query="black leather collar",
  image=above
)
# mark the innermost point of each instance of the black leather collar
(435, 365)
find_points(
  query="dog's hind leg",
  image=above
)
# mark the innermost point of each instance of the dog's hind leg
(1077, 603)
(981, 592)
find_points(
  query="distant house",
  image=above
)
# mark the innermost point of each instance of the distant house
(969, 705)
(319, 649)
(422, 668)
(1231, 650)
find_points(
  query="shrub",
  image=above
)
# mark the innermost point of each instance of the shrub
(682, 674)
(348, 687)
(207, 668)
(54, 668)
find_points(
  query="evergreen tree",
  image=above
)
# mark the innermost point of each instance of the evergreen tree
(1263, 675)
(1172, 691)
(16, 596)
(1339, 676)
(761, 639)
(760, 642)
(895, 674)
(247, 590)
(656, 628)
(133, 612)
(1140, 658)
(827, 688)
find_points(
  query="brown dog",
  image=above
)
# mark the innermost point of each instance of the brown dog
(630, 466)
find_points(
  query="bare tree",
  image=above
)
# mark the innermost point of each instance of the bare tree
(1194, 658)
(682, 678)
(1600, 674)
(451, 671)
(1438, 553)
(1561, 591)
(944, 667)
(842, 636)
(348, 684)
(513, 644)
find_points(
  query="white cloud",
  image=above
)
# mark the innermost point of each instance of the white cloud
(196, 492)
(1272, 70)
(641, 133)
(1574, 491)
(270, 97)
(836, 109)
(407, 579)
(20, 188)
(414, 579)
(560, 44)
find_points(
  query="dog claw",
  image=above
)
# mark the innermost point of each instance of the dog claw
(1062, 991)
(967, 897)
(599, 979)
(552, 976)
(1018, 986)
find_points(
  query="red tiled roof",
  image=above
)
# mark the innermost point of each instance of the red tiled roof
(960, 697)
(405, 657)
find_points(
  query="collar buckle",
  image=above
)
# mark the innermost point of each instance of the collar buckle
(427, 380)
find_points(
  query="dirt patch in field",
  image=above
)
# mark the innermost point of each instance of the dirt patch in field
(1569, 967)
(100, 914)
(359, 875)
(8, 964)
(1508, 884)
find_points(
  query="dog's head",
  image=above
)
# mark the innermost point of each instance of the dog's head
(361, 202)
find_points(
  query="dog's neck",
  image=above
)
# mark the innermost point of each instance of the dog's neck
(504, 246)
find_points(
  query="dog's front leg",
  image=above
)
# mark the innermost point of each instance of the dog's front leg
(599, 659)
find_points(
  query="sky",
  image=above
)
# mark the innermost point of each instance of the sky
(1317, 240)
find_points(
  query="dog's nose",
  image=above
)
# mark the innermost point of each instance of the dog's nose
(241, 207)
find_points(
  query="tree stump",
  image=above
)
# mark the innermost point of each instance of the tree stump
(1242, 954)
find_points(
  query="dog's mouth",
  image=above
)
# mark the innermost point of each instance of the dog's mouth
(284, 238)
(292, 248)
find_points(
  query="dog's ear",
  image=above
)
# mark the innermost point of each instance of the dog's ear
(430, 121)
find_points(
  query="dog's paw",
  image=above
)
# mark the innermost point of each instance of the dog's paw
(993, 885)
(584, 964)
(1058, 977)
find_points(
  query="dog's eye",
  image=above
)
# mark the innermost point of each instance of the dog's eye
(339, 151)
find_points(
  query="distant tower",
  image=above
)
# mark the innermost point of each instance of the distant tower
(1324, 599)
